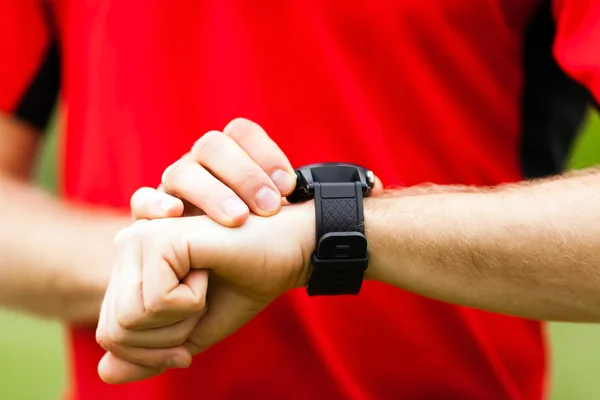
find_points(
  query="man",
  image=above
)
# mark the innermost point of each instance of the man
(468, 92)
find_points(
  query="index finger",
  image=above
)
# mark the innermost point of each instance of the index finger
(253, 139)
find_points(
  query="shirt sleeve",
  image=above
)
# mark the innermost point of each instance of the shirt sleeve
(29, 61)
(577, 41)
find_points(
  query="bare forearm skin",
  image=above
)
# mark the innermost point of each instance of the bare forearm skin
(55, 259)
(530, 250)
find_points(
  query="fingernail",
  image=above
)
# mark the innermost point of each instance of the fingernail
(234, 207)
(267, 200)
(284, 181)
(177, 362)
(168, 203)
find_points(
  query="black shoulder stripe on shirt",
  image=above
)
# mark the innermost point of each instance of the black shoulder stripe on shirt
(38, 101)
(553, 105)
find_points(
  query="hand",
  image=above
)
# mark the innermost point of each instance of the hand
(159, 278)
(225, 175)
(128, 341)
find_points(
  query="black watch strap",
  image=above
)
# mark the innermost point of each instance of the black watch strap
(340, 257)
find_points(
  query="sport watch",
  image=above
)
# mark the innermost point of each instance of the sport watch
(340, 257)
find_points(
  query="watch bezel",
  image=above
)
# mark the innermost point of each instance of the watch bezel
(305, 182)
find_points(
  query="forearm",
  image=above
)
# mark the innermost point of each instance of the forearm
(55, 259)
(530, 250)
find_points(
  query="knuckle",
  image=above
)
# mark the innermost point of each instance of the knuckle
(239, 128)
(198, 304)
(251, 178)
(104, 343)
(102, 338)
(235, 126)
(122, 236)
(208, 143)
(154, 306)
(126, 321)
(116, 336)
(148, 226)
(174, 175)
(138, 229)
(138, 226)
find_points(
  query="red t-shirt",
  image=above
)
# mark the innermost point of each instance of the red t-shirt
(450, 91)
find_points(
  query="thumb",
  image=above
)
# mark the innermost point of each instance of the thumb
(149, 203)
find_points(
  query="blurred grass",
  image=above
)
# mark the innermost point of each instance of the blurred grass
(32, 351)
(576, 349)
(32, 358)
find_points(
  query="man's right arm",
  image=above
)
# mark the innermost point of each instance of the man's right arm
(55, 258)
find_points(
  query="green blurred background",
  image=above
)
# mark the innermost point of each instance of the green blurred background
(32, 351)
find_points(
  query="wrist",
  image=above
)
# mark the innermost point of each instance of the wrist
(305, 226)
(370, 221)
(377, 232)
(83, 292)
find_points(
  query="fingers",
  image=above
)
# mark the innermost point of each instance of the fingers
(155, 358)
(114, 370)
(127, 364)
(232, 309)
(125, 292)
(148, 203)
(229, 173)
(132, 316)
(189, 210)
(143, 337)
(190, 181)
(170, 290)
(147, 252)
(228, 162)
(264, 152)
(120, 339)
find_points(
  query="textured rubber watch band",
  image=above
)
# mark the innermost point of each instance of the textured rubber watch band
(339, 214)
(340, 258)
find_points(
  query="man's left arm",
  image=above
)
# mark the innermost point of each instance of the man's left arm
(530, 249)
